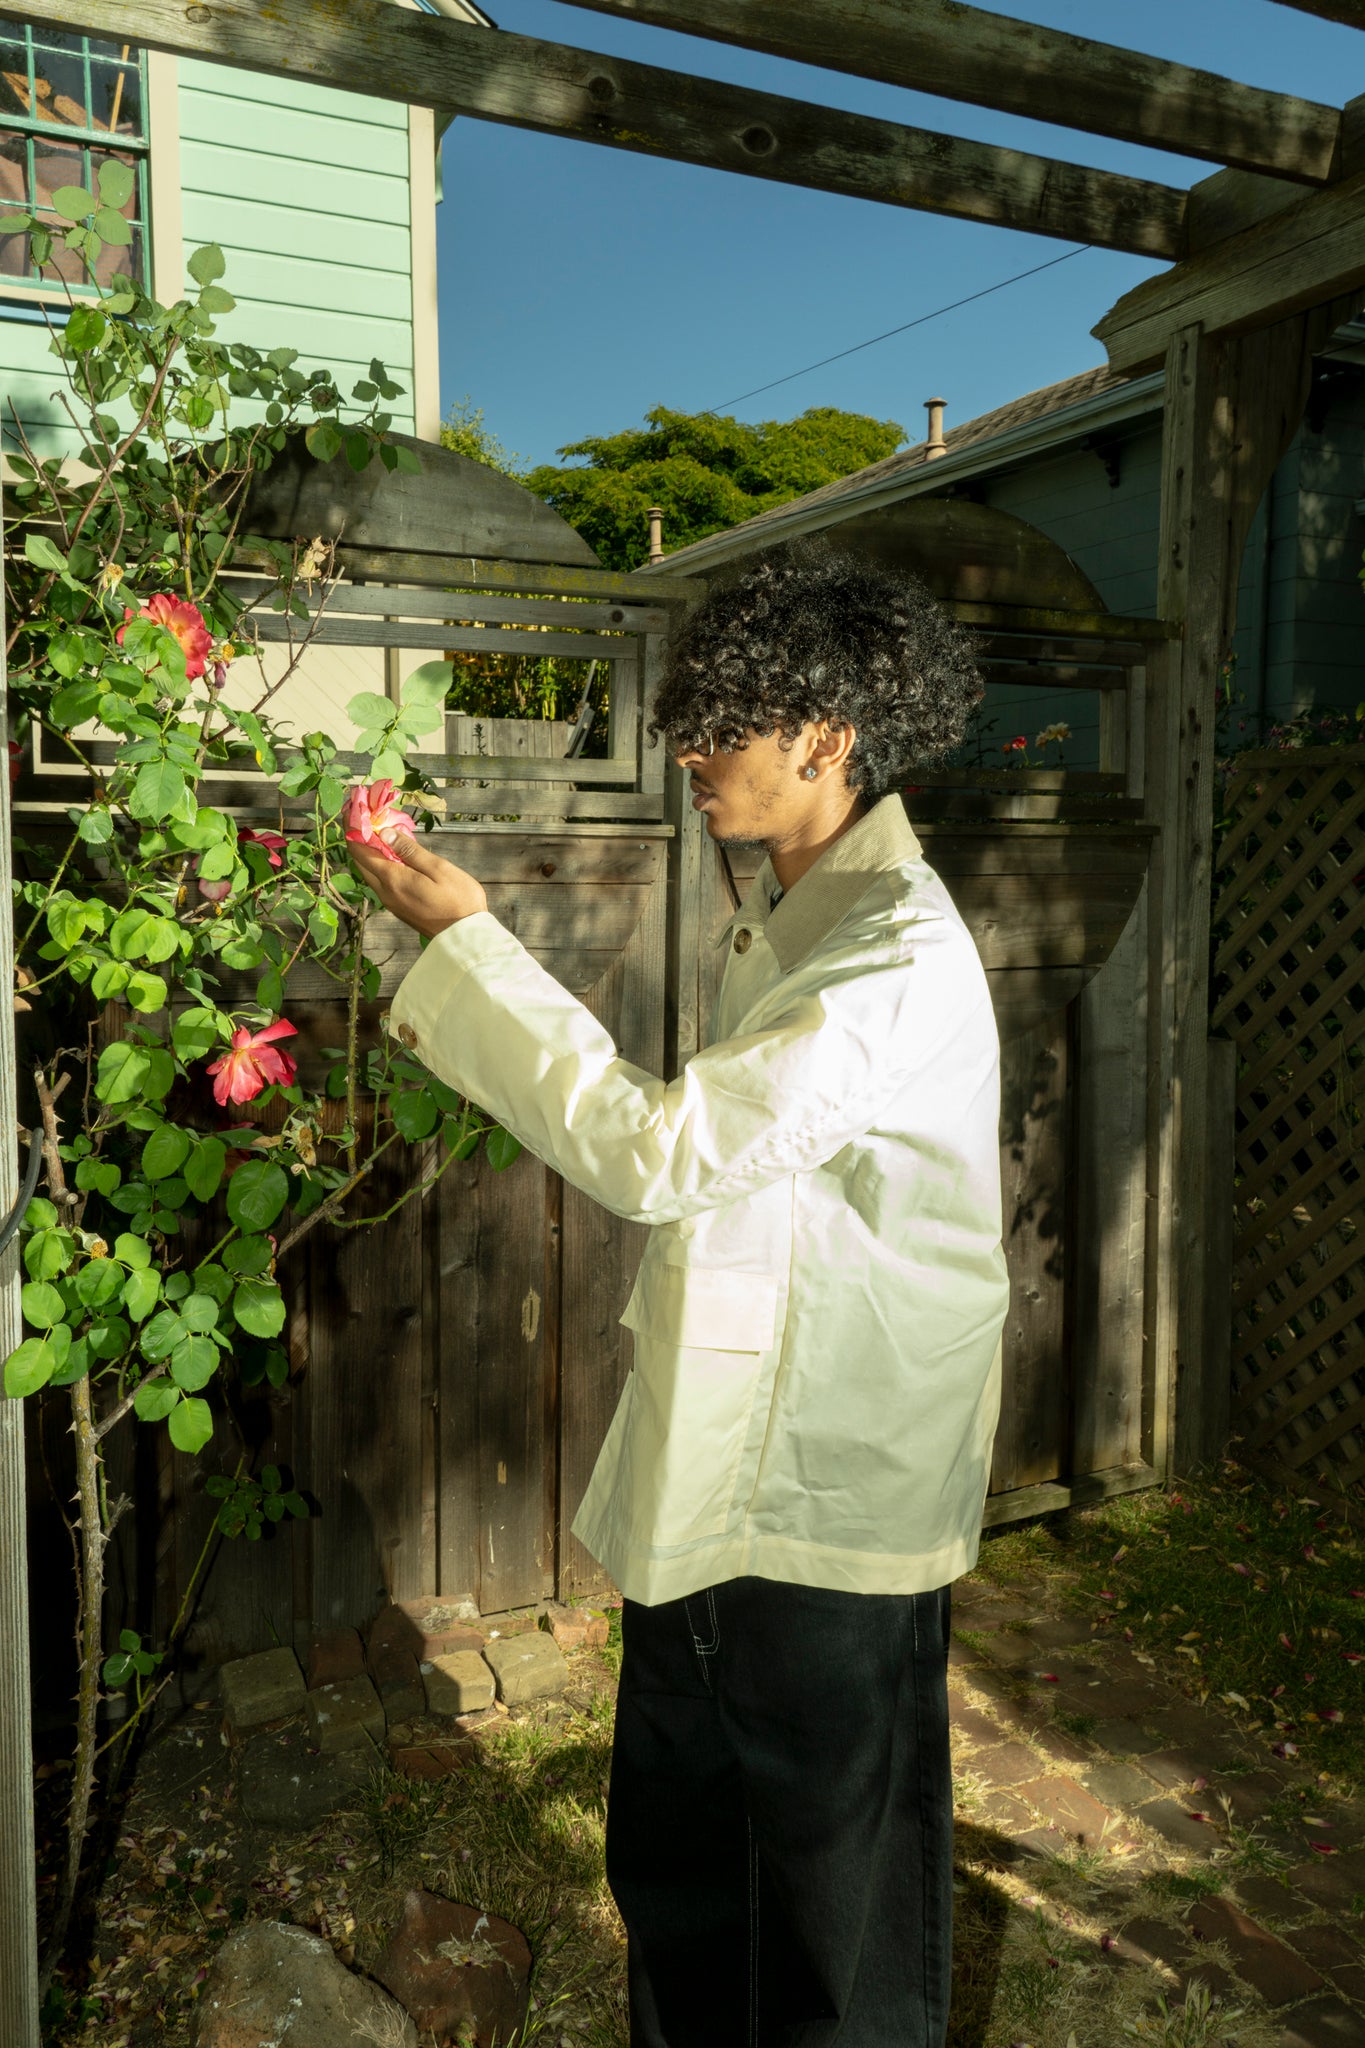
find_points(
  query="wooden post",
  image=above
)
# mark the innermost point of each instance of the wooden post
(1232, 405)
(18, 1907)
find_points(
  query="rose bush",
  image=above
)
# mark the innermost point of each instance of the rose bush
(156, 933)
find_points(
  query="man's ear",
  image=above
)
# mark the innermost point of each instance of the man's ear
(834, 744)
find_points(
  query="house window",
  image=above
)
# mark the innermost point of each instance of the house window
(69, 103)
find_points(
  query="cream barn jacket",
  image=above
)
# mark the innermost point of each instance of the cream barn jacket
(818, 1313)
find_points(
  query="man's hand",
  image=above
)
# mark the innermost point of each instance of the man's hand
(425, 891)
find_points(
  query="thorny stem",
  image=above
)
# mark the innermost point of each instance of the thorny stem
(353, 1031)
(325, 1211)
(91, 1582)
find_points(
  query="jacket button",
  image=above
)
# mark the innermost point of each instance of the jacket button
(408, 1036)
(743, 940)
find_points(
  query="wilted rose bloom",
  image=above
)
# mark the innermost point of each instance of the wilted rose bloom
(216, 891)
(371, 816)
(252, 1063)
(271, 841)
(181, 618)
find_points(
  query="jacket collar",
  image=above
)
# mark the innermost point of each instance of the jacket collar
(810, 909)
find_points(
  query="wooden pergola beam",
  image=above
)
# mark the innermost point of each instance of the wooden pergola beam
(1302, 256)
(374, 48)
(1019, 67)
(1349, 12)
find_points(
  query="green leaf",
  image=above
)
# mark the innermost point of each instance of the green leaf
(108, 1336)
(74, 1366)
(96, 827)
(204, 1168)
(429, 684)
(85, 329)
(155, 1399)
(141, 1292)
(322, 440)
(247, 1254)
(97, 1176)
(115, 182)
(259, 1307)
(42, 1305)
(165, 1152)
(213, 299)
(157, 790)
(409, 461)
(110, 979)
(367, 708)
(112, 227)
(462, 1141)
(73, 202)
(160, 1072)
(199, 1313)
(121, 1073)
(214, 1281)
(30, 1367)
(194, 1361)
(501, 1148)
(191, 1425)
(207, 263)
(196, 1032)
(414, 1113)
(42, 553)
(98, 1282)
(132, 1251)
(117, 1670)
(256, 1194)
(40, 1214)
(146, 992)
(162, 1334)
(358, 450)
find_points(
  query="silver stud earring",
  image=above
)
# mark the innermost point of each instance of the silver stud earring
(810, 773)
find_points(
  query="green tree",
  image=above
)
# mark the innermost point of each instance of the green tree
(706, 470)
(463, 430)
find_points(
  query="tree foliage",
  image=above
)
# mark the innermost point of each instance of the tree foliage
(706, 471)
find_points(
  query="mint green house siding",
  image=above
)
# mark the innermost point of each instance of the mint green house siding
(310, 194)
(307, 192)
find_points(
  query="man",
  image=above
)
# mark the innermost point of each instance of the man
(797, 1467)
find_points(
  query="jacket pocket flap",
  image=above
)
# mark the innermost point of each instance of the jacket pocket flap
(704, 1308)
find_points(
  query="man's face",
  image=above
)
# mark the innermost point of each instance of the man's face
(756, 794)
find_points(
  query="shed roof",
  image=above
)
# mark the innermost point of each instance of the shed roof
(908, 466)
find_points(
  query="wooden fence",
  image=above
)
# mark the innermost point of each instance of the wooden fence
(1289, 988)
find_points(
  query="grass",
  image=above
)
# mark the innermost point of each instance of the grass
(1261, 1591)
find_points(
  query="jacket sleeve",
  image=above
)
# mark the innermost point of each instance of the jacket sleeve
(835, 1043)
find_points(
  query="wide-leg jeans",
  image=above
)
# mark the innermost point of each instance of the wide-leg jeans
(779, 1828)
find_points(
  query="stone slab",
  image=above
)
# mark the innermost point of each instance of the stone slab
(527, 1667)
(273, 1983)
(334, 1654)
(460, 1683)
(1118, 1784)
(575, 1628)
(1260, 1959)
(1177, 1825)
(460, 1972)
(1069, 1808)
(348, 1715)
(266, 1687)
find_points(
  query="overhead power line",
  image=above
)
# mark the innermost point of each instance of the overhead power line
(904, 328)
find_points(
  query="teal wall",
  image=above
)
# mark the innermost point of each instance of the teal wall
(307, 192)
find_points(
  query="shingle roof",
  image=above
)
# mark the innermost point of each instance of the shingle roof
(985, 427)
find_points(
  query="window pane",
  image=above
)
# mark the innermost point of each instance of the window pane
(53, 167)
(13, 75)
(116, 97)
(59, 86)
(14, 258)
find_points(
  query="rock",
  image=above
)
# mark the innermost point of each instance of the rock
(283, 1783)
(453, 1967)
(458, 1684)
(334, 1654)
(575, 1628)
(345, 1716)
(398, 1681)
(266, 1687)
(271, 1983)
(527, 1667)
(431, 1760)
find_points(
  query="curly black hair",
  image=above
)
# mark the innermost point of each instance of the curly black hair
(810, 632)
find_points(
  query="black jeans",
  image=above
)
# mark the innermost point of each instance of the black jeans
(779, 1829)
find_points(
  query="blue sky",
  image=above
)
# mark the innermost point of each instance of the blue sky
(581, 285)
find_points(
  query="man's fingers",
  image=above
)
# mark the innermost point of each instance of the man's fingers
(416, 857)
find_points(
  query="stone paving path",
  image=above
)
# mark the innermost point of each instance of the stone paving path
(1066, 1743)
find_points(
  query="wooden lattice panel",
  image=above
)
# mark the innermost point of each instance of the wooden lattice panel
(1289, 987)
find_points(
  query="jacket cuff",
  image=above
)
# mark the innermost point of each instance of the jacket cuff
(428, 987)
